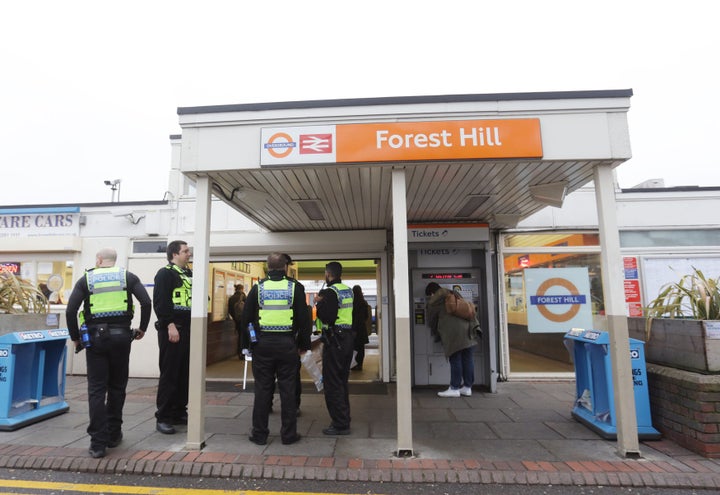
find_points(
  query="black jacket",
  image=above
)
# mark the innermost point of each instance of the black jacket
(165, 282)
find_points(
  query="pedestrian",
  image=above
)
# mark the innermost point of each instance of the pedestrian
(277, 309)
(335, 311)
(106, 293)
(362, 316)
(172, 299)
(236, 304)
(458, 338)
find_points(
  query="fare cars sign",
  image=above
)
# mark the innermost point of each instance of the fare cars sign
(402, 141)
(38, 222)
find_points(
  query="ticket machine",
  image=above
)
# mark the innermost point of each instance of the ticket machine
(464, 270)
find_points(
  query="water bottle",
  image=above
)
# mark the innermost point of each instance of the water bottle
(85, 336)
(251, 331)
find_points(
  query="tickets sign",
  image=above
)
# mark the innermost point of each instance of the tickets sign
(402, 141)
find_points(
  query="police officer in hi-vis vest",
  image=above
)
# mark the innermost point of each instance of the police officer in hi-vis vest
(172, 299)
(334, 310)
(277, 309)
(105, 293)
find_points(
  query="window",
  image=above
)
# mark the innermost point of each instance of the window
(149, 247)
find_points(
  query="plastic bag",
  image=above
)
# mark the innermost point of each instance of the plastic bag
(312, 362)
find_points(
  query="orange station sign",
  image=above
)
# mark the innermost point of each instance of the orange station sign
(402, 141)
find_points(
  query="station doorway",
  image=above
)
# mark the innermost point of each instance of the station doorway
(223, 362)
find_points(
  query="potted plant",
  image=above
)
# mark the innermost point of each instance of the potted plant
(22, 305)
(681, 327)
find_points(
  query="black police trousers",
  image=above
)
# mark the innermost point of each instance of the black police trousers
(275, 356)
(174, 361)
(107, 376)
(336, 359)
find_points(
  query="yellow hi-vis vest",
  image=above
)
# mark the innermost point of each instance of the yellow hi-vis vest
(181, 296)
(108, 297)
(275, 298)
(345, 305)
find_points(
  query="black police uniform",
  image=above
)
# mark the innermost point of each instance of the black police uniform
(338, 349)
(275, 356)
(174, 358)
(107, 359)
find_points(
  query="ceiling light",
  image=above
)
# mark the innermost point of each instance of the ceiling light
(311, 207)
(552, 194)
(506, 220)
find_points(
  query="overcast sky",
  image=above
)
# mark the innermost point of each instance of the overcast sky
(89, 90)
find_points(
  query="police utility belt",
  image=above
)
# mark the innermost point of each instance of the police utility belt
(332, 334)
(98, 330)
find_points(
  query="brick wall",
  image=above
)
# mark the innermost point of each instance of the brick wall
(685, 408)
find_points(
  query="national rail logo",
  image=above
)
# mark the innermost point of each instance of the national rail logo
(316, 143)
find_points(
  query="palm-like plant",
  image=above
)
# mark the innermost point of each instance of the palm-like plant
(693, 296)
(19, 296)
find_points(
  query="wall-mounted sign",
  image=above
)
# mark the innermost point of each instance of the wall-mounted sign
(30, 222)
(10, 267)
(448, 232)
(402, 141)
(559, 299)
(633, 296)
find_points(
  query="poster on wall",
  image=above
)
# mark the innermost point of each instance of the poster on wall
(558, 299)
(219, 300)
(631, 285)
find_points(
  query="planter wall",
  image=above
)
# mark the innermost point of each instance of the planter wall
(686, 408)
(679, 344)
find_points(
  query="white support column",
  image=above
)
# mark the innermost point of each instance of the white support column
(401, 285)
(198, 325)
(613, 293)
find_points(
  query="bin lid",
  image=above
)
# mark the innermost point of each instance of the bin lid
(588, 335)
(594, 336)
(27, 336)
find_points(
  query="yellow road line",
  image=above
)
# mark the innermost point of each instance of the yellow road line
(134, 490)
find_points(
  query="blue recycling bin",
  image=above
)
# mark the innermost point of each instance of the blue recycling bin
(594, 399)
(32, 376)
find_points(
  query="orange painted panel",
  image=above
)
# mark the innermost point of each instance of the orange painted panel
(441, 140)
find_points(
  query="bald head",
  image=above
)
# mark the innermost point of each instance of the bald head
(106, 257)
(276, 261)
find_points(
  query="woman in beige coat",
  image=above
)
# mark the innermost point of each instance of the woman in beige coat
(458, 339)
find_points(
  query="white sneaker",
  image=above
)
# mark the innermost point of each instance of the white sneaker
(466, 391)
(450, 392)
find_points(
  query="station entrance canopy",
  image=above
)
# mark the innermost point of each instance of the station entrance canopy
(326, 165)
(384, 163)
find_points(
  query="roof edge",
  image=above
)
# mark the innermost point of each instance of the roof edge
(403, 100)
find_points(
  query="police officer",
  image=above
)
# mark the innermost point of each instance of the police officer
(277, 309)
(334, 310)
(105, 293)
(172, 299)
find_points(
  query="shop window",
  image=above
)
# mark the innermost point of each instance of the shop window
(551, 239)
(542, 352)
(54, 279)
(663, 238)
